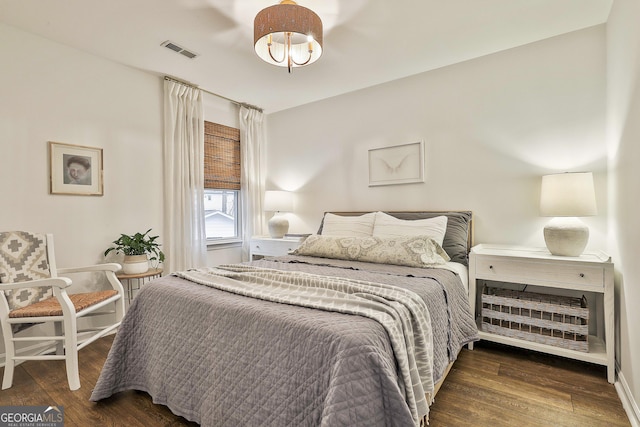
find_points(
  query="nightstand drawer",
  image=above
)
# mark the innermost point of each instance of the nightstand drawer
(532, 272)
(272, 247)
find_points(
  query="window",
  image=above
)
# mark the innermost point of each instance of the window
(221, 181)
(220, 208)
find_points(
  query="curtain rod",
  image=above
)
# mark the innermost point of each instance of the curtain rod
(233, 101)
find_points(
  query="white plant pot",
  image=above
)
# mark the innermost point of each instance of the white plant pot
(135, 264)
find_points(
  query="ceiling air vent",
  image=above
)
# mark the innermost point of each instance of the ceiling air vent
(182, 51)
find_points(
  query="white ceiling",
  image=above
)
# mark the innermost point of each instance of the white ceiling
(366, 42)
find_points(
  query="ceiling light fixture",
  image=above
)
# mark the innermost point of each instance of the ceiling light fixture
(288, 35)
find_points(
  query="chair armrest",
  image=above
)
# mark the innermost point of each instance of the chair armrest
(58, 282)
(109, 269)
(112, 266)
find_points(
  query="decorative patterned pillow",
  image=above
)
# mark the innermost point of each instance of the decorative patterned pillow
(354, 226)
(412, 251)
(23, 257)
(389, 226)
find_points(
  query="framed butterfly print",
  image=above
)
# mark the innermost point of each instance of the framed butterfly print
(398, 164)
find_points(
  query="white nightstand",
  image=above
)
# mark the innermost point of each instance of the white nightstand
(589, 273)
(267, 246)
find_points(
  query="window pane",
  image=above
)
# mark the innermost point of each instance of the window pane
(220, 210)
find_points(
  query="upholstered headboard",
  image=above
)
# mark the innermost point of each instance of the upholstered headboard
(458, 238)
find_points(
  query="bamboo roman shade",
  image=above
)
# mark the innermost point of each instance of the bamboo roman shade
(221, 157)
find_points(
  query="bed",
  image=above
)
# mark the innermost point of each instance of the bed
(357, 327)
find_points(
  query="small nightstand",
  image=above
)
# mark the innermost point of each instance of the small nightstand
(590, 273)
(267, 246)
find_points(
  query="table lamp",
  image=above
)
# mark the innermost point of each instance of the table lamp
(566, 196)
(278, 202)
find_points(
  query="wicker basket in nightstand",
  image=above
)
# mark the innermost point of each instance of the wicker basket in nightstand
(547, 319)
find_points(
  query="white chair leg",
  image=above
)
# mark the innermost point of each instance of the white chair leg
(73, 375)
(9, 352)
(7, 379)
(71, 353)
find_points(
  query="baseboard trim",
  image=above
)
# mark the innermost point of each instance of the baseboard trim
(626, 397)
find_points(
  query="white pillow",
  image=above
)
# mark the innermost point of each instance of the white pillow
(349, 226)
(389, 226)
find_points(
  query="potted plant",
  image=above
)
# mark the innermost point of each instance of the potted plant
(138, 250)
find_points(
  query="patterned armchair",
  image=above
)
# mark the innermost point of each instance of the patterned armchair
(32, 292)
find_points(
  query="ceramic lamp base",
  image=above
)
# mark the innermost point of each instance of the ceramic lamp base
(278, 226)
(566, 236)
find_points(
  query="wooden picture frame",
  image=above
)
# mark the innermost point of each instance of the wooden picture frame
(398, 164)
(75, 169)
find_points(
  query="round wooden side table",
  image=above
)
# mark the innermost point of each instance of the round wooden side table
(138, 280)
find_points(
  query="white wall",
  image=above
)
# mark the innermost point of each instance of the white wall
(54, 93)
(623, 79)
(491, 126)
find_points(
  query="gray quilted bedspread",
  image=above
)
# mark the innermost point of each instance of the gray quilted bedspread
(222, 359)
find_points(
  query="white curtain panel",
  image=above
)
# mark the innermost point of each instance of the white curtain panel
(184, 240)
(252, 148)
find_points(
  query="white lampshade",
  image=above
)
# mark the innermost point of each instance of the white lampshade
(278, 201)
(567, 196)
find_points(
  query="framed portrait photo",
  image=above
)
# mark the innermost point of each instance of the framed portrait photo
(398, 164)
(75, 169)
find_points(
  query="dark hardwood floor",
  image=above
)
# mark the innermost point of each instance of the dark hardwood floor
(496, 385)
(489, 386)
